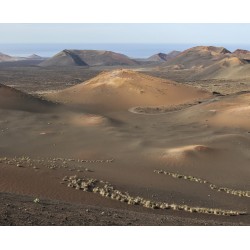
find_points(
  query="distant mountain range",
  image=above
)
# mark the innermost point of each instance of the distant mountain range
(209, 62)
(203, 62)
(7, 58)
(87, 58)
(102, 58)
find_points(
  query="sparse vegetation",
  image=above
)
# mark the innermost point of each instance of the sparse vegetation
(105, 189)
(36, 200)
(53, 163)
(239, 193)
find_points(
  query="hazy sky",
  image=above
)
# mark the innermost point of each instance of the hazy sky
(126, 33)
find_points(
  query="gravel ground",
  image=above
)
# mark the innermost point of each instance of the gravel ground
(17, 210)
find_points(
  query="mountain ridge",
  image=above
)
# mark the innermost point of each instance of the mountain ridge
(88, 58)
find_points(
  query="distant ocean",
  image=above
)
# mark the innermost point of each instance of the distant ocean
(131, 50)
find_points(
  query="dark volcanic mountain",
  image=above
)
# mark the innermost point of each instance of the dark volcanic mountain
(162, 57)
(88, 58)
(64, 58)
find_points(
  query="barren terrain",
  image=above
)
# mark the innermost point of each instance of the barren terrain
(137, 146)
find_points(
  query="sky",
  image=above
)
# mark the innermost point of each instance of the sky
(126, 33)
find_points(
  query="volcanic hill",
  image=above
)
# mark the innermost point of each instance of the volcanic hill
(162, 57)
(88, 58)
(122, 89)
(198, 57)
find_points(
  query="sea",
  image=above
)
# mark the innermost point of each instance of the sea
(133, 50)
